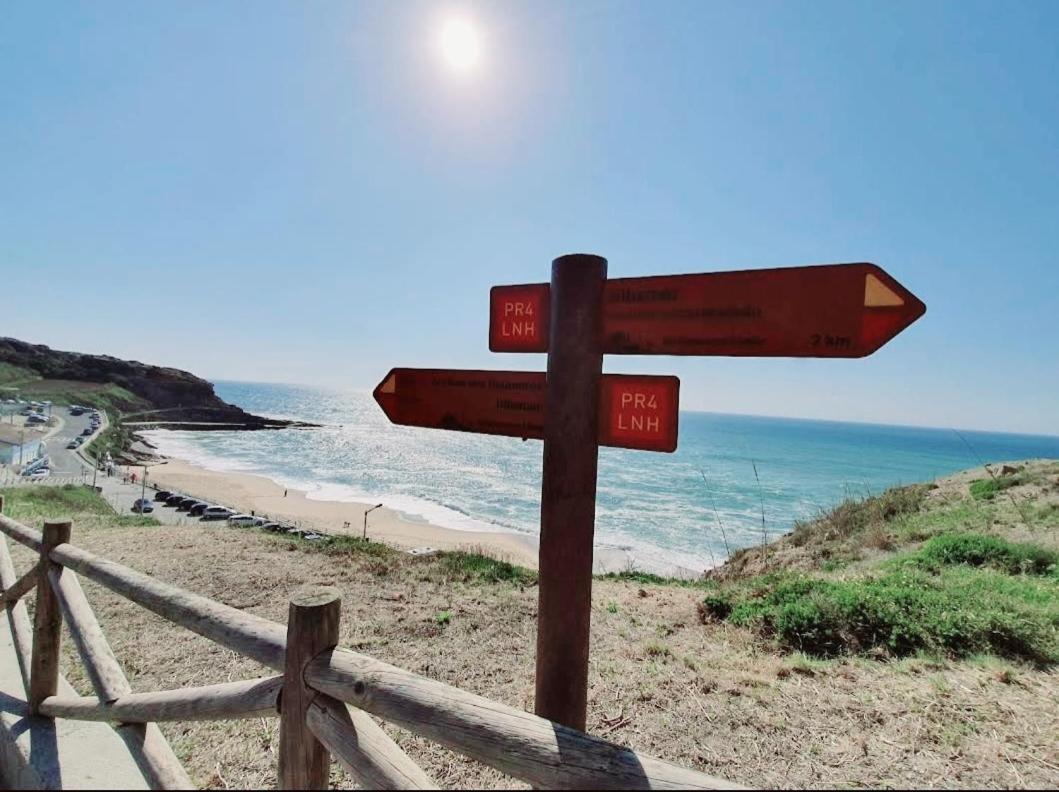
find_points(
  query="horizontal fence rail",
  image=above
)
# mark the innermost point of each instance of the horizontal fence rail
(333, 690)
(251, 698)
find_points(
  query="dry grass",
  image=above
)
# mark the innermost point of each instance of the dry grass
(711, 697)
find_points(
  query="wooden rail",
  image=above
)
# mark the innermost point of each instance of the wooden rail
(323, 696)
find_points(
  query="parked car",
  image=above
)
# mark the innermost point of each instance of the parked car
(75, 410)
(161, 495)
(246, 519)
(143, 506)
(174, 499)
(198, 509)
(72, 444)
(274, 527)
(87, 431)
(186, 503)
(216, 513)
(36, 419)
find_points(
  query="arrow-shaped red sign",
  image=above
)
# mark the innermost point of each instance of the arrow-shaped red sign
(835, 310)
(634, 411)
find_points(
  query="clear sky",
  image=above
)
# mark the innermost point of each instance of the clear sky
(312, 192)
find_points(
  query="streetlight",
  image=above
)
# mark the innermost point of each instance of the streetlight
(366, 513)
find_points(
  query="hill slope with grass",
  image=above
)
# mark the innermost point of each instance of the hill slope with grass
(966, 565)
(720, 690)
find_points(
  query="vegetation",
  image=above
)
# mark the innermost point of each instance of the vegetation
(986, 489)
(37, 503)
(29, 385)
(82, 503)
(648, 579)
(855, 518)
(900, 574)
(115, 439)
(11, 376)
(978, 550)
(959, 612)
(477, 568)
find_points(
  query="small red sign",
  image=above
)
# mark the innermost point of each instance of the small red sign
(635, 411)
(518, 318)
(639, 412)
(832, 310)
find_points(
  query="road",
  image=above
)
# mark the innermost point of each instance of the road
(65, 462)
(70, 464)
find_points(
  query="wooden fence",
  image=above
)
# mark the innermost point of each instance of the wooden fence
(321, 693)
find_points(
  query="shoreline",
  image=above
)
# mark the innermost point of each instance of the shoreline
(248, 492)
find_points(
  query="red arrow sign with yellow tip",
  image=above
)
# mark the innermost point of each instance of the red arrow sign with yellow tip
(834, 310)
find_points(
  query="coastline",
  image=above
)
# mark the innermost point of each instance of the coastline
(248, 492)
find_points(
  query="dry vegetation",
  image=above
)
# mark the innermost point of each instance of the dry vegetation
(715, 696)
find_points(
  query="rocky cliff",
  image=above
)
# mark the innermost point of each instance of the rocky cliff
(165, 394)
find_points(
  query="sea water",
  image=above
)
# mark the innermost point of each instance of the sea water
(734, 480)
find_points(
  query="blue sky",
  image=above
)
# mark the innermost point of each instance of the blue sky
(304, 192)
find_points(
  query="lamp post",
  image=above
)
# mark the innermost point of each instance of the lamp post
(366, 513)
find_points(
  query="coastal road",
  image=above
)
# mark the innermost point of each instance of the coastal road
(65, 462)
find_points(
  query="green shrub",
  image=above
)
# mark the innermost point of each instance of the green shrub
(979, 550)
(475, 567)
(45, 502)
(716, 607)
(986, 489)
(959, 612)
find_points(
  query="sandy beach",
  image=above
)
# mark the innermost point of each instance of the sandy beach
(246, 492)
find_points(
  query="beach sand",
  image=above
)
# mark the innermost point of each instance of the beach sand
(246, 492)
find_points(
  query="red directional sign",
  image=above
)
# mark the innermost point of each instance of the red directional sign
(635, 411)
(836, 310)
(518, 318)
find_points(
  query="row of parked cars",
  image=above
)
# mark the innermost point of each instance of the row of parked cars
(94, 423)
(207, 511)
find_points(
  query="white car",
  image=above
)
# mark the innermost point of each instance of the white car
(246, 519)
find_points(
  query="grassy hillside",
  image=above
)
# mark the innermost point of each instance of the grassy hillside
(874, 647)
(11, 376)
(966, 566)
(29, 385)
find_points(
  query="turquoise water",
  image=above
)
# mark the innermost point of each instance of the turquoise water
(662, 508)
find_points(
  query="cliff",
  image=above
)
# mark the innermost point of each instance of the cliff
(126, 386)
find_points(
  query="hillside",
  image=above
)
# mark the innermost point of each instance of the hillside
(965, 565)
(120, 386)
(670, 674)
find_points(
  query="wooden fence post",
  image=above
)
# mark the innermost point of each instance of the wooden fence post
(44, 667)
(312, 628)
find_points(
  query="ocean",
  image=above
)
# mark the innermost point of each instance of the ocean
(734, 480)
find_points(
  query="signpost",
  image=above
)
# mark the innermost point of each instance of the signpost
(835, 311)
(637, 411)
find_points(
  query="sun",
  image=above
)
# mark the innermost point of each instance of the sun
(461, 46)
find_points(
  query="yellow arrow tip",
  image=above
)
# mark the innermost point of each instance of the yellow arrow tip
(878, 295)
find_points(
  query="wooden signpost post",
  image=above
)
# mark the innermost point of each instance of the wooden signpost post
(836, 311)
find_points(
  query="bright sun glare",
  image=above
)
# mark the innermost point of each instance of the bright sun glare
(460, 45)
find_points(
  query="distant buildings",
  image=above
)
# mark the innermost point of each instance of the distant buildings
(19, 445)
